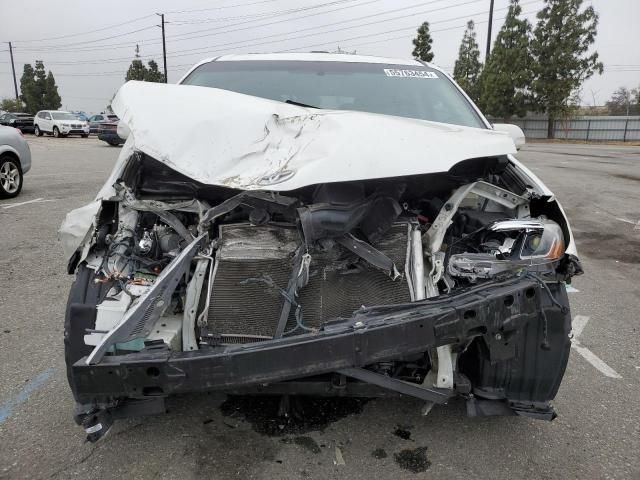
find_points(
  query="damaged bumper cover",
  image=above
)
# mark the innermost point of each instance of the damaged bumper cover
(523, 331)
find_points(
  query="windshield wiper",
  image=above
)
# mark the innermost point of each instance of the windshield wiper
(293, 102)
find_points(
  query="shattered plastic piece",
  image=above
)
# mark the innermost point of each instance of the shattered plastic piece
(570, 288)
(339, 458)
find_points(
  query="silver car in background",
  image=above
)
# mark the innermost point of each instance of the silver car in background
(15, 161)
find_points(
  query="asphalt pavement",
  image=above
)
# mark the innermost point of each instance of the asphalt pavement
(596, 435)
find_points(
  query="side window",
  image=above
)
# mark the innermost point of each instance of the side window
(99, 118)
(2, 118)
(47, 116)
(40, 115)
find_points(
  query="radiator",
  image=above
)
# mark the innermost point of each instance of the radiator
(253, 263)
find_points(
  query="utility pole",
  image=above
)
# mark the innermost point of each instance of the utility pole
(164, 49)
(486, 58)
(13, 69)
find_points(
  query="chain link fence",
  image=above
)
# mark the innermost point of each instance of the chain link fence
(587, 128)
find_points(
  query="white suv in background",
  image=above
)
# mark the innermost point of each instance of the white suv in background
(59, 124)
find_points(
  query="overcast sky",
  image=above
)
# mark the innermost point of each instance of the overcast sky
(89, 45)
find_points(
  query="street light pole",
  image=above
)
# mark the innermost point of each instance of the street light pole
(13, 69)
(486, 58)
(164, 49)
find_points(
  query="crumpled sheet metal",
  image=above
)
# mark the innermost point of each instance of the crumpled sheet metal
(224, 138)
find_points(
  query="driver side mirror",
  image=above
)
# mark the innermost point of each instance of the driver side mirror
(514, 131)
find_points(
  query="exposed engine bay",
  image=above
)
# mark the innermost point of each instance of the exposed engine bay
(180, 266)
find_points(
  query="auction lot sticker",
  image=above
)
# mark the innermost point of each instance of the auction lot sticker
(394, 72)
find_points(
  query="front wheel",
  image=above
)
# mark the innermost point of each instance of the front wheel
(10, 177)
(56, 132)
(37, 131)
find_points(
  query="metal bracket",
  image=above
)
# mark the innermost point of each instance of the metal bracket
(194, 290)
(435, 234)
(445, 367)
(140, 317)
(370, 254)
(299, 278)
(435, 395)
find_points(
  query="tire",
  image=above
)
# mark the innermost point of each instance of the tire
(10, 177)
(37, 132)
(112, 144)
(85, 135)
(56, 132)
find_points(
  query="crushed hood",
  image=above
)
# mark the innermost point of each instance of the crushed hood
(224, 138)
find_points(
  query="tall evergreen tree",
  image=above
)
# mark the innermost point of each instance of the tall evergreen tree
(28, 92)
(40, 83)
(38, 89)
(561, 59)
(506, 78)
(153, 74)
(467, 68)
(51, 99)
(422, 44)
(136, 71)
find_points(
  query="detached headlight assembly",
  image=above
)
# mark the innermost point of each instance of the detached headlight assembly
(511, 245)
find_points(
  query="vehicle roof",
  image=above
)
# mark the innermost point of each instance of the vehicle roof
(316, 57)
(57, 111)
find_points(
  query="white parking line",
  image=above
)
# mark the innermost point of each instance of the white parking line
(36, 200)
(577, 326)
(626, 220)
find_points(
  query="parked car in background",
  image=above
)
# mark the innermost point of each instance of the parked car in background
(96, 120)
(15, 161)
(80, 115)
(59, 124)
(21, 121)
(108, 132)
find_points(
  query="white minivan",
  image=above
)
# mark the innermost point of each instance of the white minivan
(59, 124)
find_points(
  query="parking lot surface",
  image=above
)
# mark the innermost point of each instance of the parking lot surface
(597, 433)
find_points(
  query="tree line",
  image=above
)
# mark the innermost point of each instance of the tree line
(39, 91)
(529, 69)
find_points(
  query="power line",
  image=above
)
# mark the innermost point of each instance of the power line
(400, 37)
(208, 49)
(306, 47)
(191, 35)
(93, 47)
(174, 37)
(110, 60)
(287, 11)
(87, 32)
(54, 47)
(193, 51)
(223, 7)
